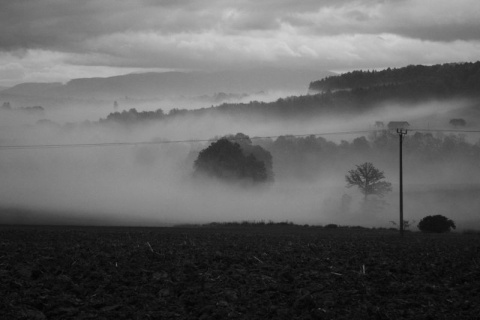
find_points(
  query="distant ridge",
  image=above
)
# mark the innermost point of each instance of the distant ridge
(152, 85)
(31, 88)
(351, 93)
(453, 77)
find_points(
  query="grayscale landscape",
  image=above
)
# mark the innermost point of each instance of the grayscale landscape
(134, 164)
(253, 143)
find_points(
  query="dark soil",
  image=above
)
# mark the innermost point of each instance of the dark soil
(236, 273)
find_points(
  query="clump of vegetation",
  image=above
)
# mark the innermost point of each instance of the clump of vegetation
(230, 160)
(252, 223)
(458, 122)
(331, 226)
(436, 224)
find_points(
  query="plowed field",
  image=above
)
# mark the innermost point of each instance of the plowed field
(270, 272)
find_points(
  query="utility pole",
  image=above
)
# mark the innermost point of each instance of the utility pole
(401, 132)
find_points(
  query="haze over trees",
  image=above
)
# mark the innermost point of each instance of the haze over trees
(257, 151)
(304, 157)
(350, 93)
(413, 80)
(369, 180)
(458, 122)
(228, 160)
(441, 169)
(311, 157)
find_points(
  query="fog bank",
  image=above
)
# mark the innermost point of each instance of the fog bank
(152, 184)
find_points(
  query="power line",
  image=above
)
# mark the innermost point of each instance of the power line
(445, 130)
(137, 143)
(159, 142)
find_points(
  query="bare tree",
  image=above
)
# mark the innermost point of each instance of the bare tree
(369, 180)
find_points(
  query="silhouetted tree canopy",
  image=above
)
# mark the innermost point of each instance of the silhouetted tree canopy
(225, 159)
(132, 116)
(369, 180)
(257, 151)
(436, 224)
(458, 122)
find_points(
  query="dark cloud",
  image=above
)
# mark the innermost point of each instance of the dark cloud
(54, 24)
(47, 24)
(62, 25)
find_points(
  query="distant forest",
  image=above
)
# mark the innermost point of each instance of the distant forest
(442, 80)
(352, 92)
(306, 157)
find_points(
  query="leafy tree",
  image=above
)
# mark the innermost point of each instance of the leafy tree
(458, 122)
(257, 151)
(436, 224)
(225, 159)
(369, 180)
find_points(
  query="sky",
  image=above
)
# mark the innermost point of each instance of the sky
(58, 40)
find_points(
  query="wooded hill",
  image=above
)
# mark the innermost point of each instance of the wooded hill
(440, 80)
(352, 93)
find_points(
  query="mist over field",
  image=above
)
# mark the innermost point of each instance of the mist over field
(152, 184)
(239, 159)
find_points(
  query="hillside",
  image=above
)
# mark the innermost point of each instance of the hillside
(351, 93)
(445, 79)
(170, 84)
(31, 89)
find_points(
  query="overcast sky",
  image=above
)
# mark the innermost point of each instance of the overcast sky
(56, 40)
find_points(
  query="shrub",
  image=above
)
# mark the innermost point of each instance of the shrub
(436, 224)
(331, 226)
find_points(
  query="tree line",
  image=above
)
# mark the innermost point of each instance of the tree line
(439, 80)
(306, 157)
(353, 92)
(310, 156)
(235, 159)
